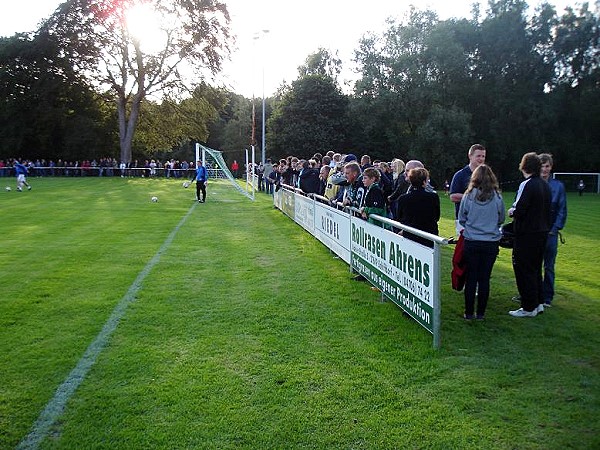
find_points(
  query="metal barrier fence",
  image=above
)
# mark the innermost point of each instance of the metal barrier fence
(406, 272)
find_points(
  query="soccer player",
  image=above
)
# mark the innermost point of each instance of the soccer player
(201, 180)
(21, 171)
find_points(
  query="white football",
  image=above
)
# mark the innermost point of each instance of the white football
(154, 199)
(186, 184)
(8, 189)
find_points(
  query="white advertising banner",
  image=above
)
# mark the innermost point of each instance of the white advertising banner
(405, 271)
(331, 228)
(402, 269)
(304, 213)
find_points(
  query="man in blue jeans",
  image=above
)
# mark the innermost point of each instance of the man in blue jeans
(559, 217)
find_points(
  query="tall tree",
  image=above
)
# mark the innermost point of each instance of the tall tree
(311, 116)
(100, 37)
(232, 132)
(322, 62)
(576, 89)
(511, 112)
(166, 125)
(47, 109)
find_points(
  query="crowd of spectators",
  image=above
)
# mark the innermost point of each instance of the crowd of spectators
(104, 167)
(343, 180)
(403, 192)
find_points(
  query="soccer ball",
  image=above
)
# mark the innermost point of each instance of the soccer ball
(8, 189)
(186, 184)
(154, 199)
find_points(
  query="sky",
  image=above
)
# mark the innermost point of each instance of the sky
(274, 37)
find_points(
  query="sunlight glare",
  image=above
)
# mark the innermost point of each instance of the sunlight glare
(144, 24)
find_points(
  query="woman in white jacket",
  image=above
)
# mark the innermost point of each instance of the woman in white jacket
(481, 213)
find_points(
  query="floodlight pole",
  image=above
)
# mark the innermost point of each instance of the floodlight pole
(263, 148)
(258, 35)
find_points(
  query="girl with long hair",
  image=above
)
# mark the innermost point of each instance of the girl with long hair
(481, 213)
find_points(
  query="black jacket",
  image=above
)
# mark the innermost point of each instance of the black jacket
(309, 181)
(419, 209)
(532, 212)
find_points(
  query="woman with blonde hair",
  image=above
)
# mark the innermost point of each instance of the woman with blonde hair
(481, 213)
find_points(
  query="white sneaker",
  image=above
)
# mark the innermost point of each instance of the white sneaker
(540, 309)
(522, 313)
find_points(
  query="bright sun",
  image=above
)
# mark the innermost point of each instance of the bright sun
(144, 23)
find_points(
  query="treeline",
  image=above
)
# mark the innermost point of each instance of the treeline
(427, 89)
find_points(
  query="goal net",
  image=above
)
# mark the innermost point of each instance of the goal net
(571, 180)
(217, 168)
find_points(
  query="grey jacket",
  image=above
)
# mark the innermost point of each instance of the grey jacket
(481, 220)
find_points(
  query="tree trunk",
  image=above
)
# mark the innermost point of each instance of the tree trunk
(127, 125)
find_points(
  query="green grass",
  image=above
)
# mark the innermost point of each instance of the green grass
(249, 334)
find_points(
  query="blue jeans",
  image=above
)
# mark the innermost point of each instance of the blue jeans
(549, 260)
(480, 257)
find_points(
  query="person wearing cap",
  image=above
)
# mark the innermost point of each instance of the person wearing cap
(349, 158)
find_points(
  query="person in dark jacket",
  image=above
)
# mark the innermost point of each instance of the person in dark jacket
(420, 207)
(373, 200)
(531, 217)
(308, 178)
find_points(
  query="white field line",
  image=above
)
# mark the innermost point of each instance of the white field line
(56, 406)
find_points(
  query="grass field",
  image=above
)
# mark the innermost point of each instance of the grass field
(234, 329)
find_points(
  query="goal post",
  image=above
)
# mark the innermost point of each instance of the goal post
(591, 180)
(217, 167)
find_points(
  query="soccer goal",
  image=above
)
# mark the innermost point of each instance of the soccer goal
(217, 168)
(571, 180)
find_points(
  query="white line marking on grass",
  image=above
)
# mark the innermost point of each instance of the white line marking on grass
(56, 406)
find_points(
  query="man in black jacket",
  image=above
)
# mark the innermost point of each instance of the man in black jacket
(532, 221)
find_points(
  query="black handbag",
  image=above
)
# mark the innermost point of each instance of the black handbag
(508, 235)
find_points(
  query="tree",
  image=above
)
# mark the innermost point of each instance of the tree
(232, 132)
(322, 63)
(510, 109)
(310, 117)
(575, 94)
(47, 109)
(99, 37)
(411, 102)
(170, 123)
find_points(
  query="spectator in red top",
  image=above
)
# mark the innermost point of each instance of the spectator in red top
(235, 167)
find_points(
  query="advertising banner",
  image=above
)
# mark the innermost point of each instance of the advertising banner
(304, 214)
(278, 199)
(287, 203)
(402, 269)
(331, 228)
